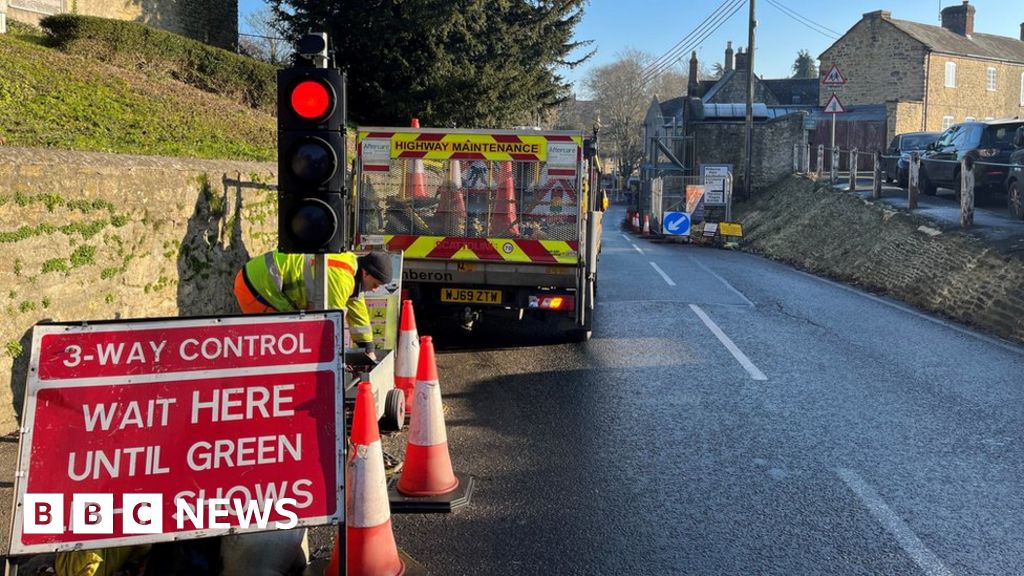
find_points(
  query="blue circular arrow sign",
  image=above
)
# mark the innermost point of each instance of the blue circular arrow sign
(675, 223)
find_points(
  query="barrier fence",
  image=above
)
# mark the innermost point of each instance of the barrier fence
(705, 201)
(828, 161)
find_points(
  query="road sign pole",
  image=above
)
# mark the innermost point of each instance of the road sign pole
(833, 143)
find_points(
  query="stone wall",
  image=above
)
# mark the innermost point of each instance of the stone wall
(883, 250)
(903, 117)
(723, 143)
(100, 236)
(971, 96)
(880, 63)
(214, 22)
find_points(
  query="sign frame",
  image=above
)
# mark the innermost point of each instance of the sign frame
(35, 383)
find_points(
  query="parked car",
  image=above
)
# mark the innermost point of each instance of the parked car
(1015, 181)
(987, 143)
(896, 160)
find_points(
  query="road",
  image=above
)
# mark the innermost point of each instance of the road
(731, 416)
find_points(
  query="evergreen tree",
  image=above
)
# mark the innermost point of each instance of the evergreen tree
(805, 65)
(470, 63)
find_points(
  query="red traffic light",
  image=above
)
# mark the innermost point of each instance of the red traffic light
(311, 99)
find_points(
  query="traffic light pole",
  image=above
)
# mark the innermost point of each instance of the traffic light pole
(320, 300)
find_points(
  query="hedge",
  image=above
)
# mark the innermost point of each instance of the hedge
(139, 47)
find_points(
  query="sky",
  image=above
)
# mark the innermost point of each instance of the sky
(784, 27)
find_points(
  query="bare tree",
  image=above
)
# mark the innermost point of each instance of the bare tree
(622, 92)
(264, 42)
(669, 84)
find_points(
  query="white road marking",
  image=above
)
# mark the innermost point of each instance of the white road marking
(627, 238)
(663, 275)
(723, 281)
(911, 544)
(738, 354)
(637, 248)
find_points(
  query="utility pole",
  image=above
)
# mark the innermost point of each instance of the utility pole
(751, 25)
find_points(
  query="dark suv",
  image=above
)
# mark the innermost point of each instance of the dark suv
(896, 161)
(1015, 181)
(986, 143)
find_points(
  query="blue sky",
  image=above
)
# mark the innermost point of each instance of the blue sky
(655, 26)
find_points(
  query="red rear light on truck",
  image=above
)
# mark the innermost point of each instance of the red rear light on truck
(552, 302)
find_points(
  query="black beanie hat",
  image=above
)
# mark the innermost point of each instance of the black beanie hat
(378, 265)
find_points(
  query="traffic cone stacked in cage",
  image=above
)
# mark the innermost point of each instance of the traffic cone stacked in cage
(408, 354)
(371, 548)
(415, 175)
(452, 206)
(428, 465)
(503, 217)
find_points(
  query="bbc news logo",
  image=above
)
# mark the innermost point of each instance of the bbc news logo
(143, 514)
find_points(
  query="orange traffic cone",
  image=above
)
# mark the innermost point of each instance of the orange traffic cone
(647, 225)
(428, 465)
(416, 179)
(636, 221)
(371, 548)
(452, 207)
(503, 218)
(408, 354)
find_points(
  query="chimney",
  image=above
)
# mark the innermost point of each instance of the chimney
(728, 52)
(741, 60)
(691, 88)
(878, 15)
(959, 19)
(1022, 31)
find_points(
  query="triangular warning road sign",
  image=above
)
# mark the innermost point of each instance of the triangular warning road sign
(834, 106)
(834, 77)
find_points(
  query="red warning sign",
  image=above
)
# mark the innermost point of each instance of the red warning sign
(834, 106)
(152, 422)
(834, 77)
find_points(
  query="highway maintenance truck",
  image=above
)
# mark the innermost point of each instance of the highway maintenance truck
(491, 222)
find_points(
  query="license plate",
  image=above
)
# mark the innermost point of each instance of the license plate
(470, 296)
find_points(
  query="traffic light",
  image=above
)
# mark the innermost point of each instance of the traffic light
(311, 158)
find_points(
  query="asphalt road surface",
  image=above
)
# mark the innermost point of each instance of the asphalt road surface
(730, 416)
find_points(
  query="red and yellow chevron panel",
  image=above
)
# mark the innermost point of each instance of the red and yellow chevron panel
(462, 146)
(485, 249)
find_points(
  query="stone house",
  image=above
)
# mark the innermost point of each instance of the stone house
(928, 77)
(707, 125)
(214, 22)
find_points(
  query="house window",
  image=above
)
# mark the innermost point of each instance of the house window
(1022, 88)
(969, 119)
(950, 74)
(947, 121)
(991, 86)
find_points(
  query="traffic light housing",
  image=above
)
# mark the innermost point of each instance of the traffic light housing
(311, 160)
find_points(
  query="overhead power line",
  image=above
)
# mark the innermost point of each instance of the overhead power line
(819, 28)
(719, 20)
(672, 54)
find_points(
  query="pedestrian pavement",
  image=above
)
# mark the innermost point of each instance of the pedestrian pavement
(8, 462)
(992, 221)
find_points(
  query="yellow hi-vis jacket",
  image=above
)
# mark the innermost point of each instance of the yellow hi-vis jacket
(285, 281)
